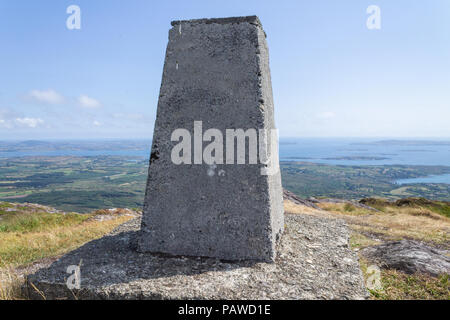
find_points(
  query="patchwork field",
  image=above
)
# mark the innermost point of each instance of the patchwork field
(355, 182)
(83, 184)
(77, 184)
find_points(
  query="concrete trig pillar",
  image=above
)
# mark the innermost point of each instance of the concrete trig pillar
(216, 76)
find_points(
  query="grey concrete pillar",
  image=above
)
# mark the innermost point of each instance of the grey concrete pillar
(216, 75)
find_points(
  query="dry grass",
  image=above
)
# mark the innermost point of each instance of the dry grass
(291, 207)
(31, 236)
(395, 222)
(10, 283)
(400, 286)
(344, 208)
(358, 241)
(397, 285)
(22, 248)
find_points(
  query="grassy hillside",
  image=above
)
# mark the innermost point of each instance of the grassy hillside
(30, 233)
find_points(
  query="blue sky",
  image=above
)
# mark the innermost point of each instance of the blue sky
(331, 75)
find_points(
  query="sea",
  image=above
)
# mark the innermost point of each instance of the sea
(371, 152)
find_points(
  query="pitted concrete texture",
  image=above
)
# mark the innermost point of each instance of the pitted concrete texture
(314, 262)
(216, 71)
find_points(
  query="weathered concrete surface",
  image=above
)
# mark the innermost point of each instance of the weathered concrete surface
(314, 262)
(216, 71)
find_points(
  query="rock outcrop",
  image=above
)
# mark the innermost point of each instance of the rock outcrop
(287, 195)
(410, 257)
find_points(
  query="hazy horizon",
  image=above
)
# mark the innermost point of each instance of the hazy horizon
(380, 138)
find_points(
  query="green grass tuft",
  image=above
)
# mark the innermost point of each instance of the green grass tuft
(37, 221)
(400, 286)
